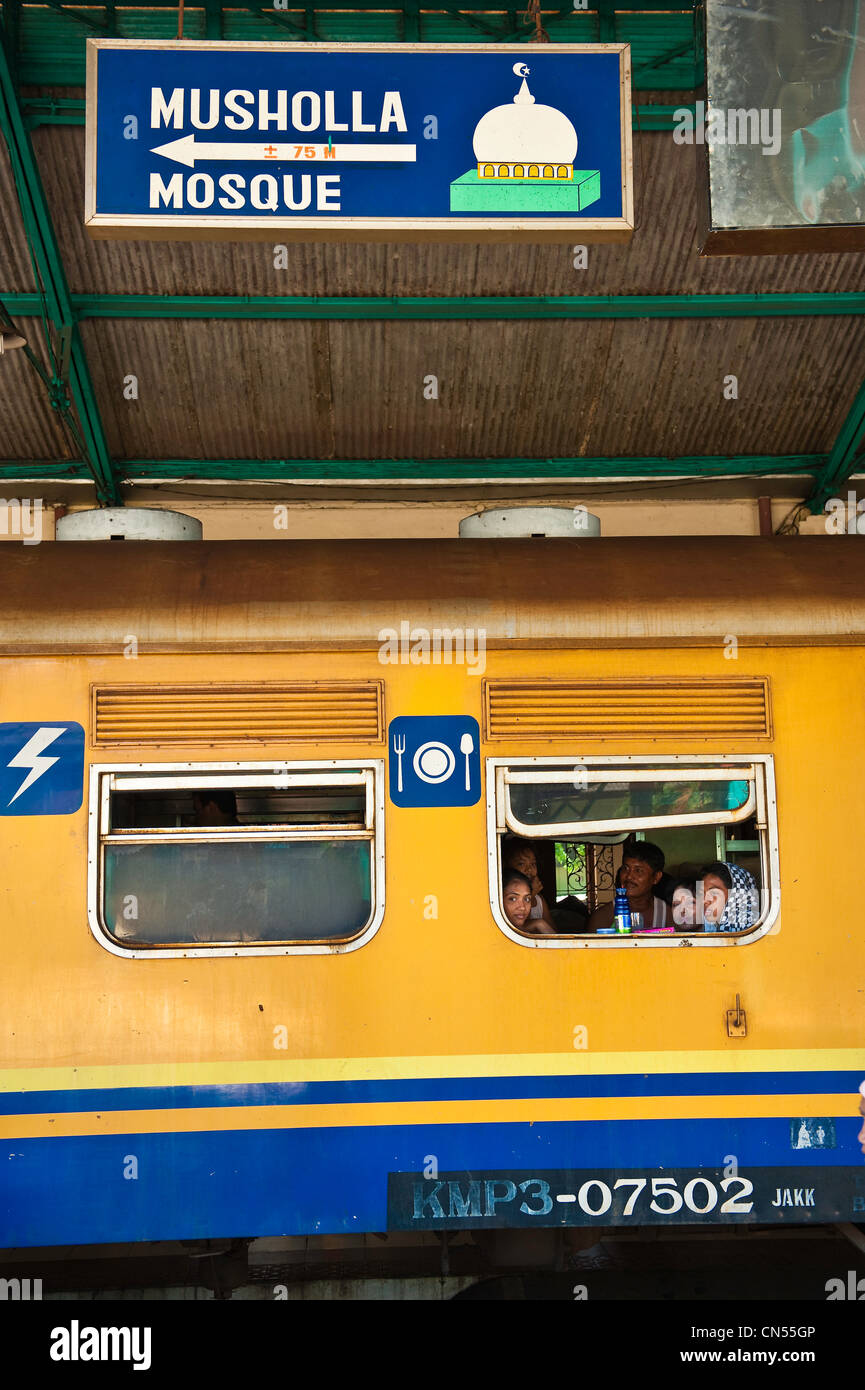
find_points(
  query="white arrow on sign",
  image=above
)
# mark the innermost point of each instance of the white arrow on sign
(187, 150)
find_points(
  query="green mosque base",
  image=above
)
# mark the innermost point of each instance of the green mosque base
(470, 193)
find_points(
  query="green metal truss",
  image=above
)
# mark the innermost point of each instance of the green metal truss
(74, 376)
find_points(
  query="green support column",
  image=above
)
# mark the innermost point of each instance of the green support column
(842, 460)
(46, 254)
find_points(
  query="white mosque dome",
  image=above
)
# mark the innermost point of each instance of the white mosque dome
(524, 132)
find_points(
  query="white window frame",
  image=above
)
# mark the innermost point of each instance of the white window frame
(767, 823)
(107, 777)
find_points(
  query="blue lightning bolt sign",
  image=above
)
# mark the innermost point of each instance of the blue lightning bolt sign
(41, 768)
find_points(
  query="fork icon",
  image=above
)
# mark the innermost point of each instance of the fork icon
(399, 749)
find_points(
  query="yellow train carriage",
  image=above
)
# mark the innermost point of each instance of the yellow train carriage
(257, 973)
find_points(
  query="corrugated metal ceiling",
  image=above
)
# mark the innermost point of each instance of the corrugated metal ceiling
(506, 389)
(262, 389)
(15, 269)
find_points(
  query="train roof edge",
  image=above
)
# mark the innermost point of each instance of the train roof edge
(282, 595)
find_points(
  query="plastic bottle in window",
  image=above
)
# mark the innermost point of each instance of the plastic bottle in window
(622, 913)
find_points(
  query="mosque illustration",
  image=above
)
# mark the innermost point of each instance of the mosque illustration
(525, 156)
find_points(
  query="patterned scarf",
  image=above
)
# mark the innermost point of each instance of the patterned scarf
(743, 901)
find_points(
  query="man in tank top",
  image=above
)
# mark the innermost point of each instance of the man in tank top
(642, 870)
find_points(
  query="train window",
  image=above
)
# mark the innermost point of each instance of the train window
(583, 800)
(570, 825)
(197, 859)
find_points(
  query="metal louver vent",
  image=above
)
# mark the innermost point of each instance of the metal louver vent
(338, 712)
(699, 708)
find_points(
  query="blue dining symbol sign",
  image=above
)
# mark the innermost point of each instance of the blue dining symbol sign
(358, 142)
(41, 768)
(434, 760)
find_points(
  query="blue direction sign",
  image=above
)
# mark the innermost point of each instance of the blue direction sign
(356, 142)
(41, 768)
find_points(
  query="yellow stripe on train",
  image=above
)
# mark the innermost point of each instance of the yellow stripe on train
(359, 1114)
(720, 1062)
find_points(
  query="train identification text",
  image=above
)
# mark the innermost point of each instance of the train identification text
(609, 1197)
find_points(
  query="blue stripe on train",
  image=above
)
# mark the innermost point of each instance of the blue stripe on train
(69, 1191)
(445, 1088)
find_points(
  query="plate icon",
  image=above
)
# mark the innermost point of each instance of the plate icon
(433, 762)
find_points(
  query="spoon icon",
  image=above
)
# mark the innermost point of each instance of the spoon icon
(467, 746)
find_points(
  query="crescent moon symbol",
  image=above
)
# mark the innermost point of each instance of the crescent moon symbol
(521, 70)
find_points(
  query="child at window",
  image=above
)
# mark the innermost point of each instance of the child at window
(517, 898)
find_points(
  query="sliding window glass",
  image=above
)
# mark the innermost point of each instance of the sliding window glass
(201, 858)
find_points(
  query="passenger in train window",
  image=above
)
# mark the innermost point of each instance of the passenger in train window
(666, 883)
(214, 808)
(684, 903)
(519, 854)
(641, 872)
(861, 1135)
(517, 898)
(731, 901)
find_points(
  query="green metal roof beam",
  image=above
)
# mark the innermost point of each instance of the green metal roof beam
(249, 470)
(420, 470)
(46, 256)
(44, 472)
(450, 307)
(843, 459)
(52, 111)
